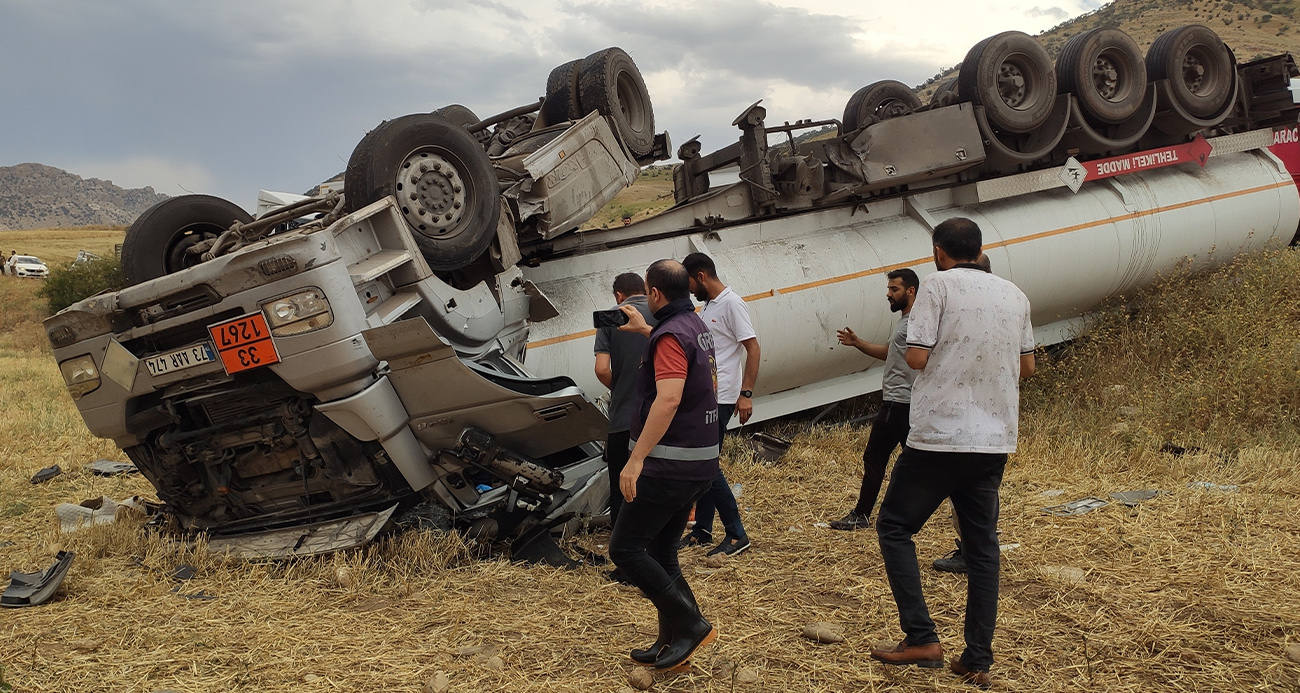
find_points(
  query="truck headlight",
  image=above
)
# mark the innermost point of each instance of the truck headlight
(298, 313)
(80, 375)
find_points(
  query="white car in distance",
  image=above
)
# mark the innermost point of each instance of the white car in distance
(26, 266)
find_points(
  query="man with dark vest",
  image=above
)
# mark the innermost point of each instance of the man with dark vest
(674, 458)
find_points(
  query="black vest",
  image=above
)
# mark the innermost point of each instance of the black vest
(689, 448)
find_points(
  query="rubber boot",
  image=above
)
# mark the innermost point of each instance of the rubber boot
(648, 656)
(690, 631)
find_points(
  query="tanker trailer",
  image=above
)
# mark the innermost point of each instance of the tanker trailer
(292, 383)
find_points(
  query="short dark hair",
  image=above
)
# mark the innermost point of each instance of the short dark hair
(907, 276)
(960, 238)
(629, 284)
(669, 276)
(699, 262)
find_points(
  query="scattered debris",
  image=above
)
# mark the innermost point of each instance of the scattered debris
(184, 572)
(1179, 451)
(438, 683)
(747, 675)
(1132, 498)
(795, 529)
(201, 595)
(737, 489)
(1221, 488)
(1064, 573)
(495, 663)
(1079, 507)
(1003, 548)
(717, 560)
(310, 678)
(768, 449)
(822, 525)
(343, 576)
(641, 679)
(1130, 412)
(1052, 493)
(46, 474)
(1293, 653)
(110, 468)
(96, 511)
(823, 632)
(30, 589)
(6, 544)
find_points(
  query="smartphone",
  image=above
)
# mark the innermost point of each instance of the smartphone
(608, 318)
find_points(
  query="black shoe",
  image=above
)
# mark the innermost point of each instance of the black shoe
(693, 539)
(617, 575)
(730, 547)
(648, 656)
(952, 563)
(688, 628)
(852, 521)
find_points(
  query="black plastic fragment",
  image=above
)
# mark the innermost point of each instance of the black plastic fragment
(46, 474)
(30, 589)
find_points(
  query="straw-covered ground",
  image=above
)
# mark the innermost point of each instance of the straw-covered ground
(1193, 590)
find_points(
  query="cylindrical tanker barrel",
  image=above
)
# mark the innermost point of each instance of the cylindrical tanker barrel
(805, 276)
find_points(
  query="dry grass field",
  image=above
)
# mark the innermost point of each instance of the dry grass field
(1193, 590)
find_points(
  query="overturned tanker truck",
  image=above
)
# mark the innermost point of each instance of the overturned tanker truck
(290, 384)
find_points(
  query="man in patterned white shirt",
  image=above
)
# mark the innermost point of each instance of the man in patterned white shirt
(969, 334)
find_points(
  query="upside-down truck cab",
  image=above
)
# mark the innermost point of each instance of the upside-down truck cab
(289, 384)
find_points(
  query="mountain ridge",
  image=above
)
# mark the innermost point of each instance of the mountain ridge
(36, 196)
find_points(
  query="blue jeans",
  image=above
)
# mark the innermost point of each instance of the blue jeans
(719, 495)
(644, 542)
(920, 482)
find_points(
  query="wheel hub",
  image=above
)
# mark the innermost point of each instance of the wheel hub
(431, 193)
(1193, 73)
(1105, 78)
(1011, 84)
(892, 108)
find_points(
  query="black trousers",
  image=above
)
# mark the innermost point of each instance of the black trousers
(920, 482)
(616, 457)
(719, 496)
(887, 432)
(644, 542)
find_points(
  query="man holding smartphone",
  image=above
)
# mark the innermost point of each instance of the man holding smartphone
(618, 355)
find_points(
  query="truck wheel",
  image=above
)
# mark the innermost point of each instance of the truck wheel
(458, 114)
(1198, 66)
(155, 244)
(610, 83)
(1012, 76)
(945, 94)
(442, 179)
(879, 101)
(561, 102)
(1104, 69)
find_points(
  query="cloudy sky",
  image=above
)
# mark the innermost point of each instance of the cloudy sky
(226, 97)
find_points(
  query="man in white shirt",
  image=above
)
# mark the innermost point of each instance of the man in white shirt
(969, 334)
(736, 345)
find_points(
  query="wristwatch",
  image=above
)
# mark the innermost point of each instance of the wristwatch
(747, 393)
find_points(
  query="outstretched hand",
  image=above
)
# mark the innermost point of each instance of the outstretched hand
(847, 337)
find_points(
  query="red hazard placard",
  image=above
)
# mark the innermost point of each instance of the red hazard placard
(244, 343)
(1198, 150)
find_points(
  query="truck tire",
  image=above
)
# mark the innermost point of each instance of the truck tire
(445, 187)
(1105, 71)
(945, 94)
(609, 82)
(458, 114)
(1198, 66)
(561, 102)
(155, 244)
(879, 101)
(1011, 75)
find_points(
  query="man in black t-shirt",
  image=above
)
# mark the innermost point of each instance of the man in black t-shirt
(618, 355)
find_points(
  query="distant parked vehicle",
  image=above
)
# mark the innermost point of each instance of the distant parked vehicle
(26, 266)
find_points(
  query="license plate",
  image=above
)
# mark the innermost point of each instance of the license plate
(244, 343)
(180, 359)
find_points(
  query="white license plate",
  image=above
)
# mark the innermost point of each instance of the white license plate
(180, 359)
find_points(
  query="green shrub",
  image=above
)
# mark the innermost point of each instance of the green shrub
(70, 283)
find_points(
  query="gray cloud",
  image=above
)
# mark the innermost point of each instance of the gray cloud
(1055, 13)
